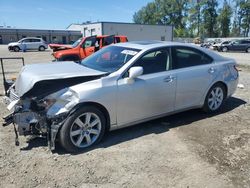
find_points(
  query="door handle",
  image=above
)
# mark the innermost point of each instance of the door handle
(169, 79)
(211, 70)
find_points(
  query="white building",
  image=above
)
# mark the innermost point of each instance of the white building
(131, 30)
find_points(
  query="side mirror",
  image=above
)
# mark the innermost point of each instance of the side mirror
(134, 72)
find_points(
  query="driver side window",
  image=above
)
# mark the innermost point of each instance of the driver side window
(89, 42)
(154, 61)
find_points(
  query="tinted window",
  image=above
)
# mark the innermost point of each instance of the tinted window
(89, 42)
(35, 40)
(187, 57)
(118, 40)
(26, 40)
(245, 42)
(154, 61)
(108, 40)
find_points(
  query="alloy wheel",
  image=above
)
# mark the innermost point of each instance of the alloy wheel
(85, 130)
(215, 98)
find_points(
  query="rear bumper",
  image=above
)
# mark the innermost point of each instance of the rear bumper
(232, 86)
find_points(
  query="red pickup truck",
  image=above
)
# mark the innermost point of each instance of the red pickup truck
(86, 46)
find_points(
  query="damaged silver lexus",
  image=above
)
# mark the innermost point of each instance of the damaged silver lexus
(120, 85)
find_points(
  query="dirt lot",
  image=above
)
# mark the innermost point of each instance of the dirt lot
(189, 149)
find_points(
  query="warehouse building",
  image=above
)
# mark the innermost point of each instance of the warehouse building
(131, 30)
(8, 35)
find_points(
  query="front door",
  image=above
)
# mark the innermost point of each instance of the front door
(88, 47)
(152, 94)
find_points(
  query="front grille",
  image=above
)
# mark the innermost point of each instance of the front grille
(13, 96)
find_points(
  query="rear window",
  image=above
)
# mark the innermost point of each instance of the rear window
(187, 57)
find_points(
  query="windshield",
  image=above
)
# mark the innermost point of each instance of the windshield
(109, 59)
(75, 44)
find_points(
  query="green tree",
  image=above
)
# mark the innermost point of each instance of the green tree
(244, 13)
(236, 19)
(224, 19)
(164, 12)
(194, 19)
(209, 18)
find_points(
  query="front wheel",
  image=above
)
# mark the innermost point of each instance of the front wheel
(41, 48)
(82, 129)
(16, 49)
(215, 98)
(224, 49)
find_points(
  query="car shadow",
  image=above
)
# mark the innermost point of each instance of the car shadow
(157, 126)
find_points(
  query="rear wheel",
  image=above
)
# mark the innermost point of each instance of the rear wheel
(16, 49)
(82, 129)
(248, 50)
(215, 98)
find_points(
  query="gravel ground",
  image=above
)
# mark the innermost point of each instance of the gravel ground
(189, 149)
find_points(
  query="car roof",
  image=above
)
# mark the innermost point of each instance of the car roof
(31, 38)
(151, 44)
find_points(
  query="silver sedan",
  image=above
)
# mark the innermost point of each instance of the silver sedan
(120, 85)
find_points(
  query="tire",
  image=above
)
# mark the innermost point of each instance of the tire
(248, 50)
(215, 98)
(41, 48)
(77, 133)
(224, 49)
(16, 49)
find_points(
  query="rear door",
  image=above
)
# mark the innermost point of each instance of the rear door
(88, 47)
(244, 44)
(195, 71)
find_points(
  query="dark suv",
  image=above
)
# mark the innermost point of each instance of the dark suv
(236, 45)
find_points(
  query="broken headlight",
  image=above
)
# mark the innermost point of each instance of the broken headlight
(60, 102)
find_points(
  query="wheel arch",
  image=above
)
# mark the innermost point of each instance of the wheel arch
(223, 84)
(206, 92)
(97, 105)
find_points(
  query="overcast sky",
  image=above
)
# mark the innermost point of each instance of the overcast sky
(58, 14)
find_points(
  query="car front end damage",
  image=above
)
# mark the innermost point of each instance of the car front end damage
(41, 98)
(40, 116)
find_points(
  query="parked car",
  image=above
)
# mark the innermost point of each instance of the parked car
(86, 46)
(218, 46)
(236, 45)
(29, 43)
(118, 86)
(207, 44)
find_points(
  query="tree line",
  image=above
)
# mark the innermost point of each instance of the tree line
(202, 18)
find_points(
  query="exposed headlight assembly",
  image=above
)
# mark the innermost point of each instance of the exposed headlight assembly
(60, 102)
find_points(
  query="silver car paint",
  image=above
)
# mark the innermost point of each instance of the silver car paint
(128, 104)
(31, 74)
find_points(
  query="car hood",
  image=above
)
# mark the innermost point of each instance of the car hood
(48, 77)
(13, 43)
